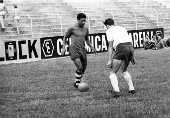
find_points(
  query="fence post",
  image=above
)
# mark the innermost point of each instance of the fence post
(89, 25)
(136, 21)
(29, 17)
(157, 18)
(61, 24)
(31, 27)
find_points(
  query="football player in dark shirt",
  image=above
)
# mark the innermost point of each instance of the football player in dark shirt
(79, 35)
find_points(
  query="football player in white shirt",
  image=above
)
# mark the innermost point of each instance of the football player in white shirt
(120, 54)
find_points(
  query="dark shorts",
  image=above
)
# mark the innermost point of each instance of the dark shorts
(81, 54)
(77, 53)
(125, 52)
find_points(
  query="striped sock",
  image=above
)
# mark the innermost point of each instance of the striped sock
(114, 82)
(77, 79)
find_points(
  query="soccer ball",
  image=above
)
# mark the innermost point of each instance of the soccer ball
(82, 87)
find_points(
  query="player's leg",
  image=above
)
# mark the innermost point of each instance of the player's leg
(113, 77)
(79, 71)
(126, 75)
(81, 64)
(75, 57)
(84, 61)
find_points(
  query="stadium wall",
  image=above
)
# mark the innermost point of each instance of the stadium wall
(19, 51)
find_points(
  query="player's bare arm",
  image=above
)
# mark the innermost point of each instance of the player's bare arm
(88, 42)
(110, 53)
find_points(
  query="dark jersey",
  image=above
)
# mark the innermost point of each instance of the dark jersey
(78, 36)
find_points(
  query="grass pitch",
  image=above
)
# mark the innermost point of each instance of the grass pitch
(44, 89)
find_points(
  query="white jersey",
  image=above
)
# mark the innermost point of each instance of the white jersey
(118, 35)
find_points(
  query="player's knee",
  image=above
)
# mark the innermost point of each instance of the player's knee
(116, 65)
(80, 68)
(78, 74)
(78, 64)
(126, 74)
(112, 75)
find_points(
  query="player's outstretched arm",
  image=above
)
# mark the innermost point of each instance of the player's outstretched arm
(110, 53)
(88, 42)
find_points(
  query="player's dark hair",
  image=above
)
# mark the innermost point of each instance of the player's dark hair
(109, 21)
(81, 15)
